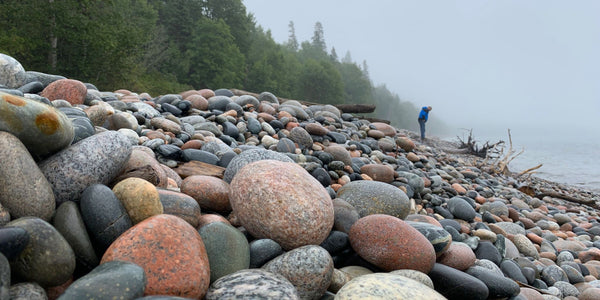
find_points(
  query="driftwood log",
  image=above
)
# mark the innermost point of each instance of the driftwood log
(346, 108)
(199, 168)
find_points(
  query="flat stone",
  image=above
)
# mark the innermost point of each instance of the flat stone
(511, 228)
(47, 259)
(525, 246)
(309, 268)
(69, 223)
(227, 249)
(139, 197)
(97, 159)
(170, 251)
(487, 250)
(498, 286)
(113, 279)
(43, 129)
(283, 202)
(406, 247)
(24, 191)
(104, 216)
(252, 284)
(374, 197)
(552, 274)
(386, 286)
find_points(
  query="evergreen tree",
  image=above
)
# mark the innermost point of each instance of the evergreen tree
(292, 43)
(333, 55)
(320, 82)
(318, 38)
(347, 58)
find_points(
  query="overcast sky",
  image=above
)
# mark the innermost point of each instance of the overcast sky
(490, 65)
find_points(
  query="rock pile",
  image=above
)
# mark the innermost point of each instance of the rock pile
(205, 194)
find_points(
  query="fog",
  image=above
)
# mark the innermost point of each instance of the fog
(531, 66)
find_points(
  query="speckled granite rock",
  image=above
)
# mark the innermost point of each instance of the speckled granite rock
(386, 286)
(24, 191)
(97, 159)
(250, 156)
(308, 268)
(227, 249)
(12, 73)
(160, 241)
(47, 259)
(406, 248)
(252, 284)
(73, 91)
(111, 280)
(281, 201)
(27, 291)
(210, 192)
(373, 197)
(43, 129)
(4, 277)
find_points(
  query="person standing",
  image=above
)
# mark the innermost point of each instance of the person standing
(423, 115)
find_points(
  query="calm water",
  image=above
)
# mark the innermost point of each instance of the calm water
(565, 159)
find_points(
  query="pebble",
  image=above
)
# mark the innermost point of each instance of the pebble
(227, 249)
(386, 286)
(139, 197)
(459, 256)
(374, 197)
(252, 284)
(455, 284)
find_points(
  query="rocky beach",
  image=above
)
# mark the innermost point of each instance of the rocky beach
(216, 194)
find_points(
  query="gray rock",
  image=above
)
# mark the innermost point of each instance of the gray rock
(250, 156)
(4, 277)
(461, 209)
(566, 289)
(511, 228)
(498, 286)
(227, 249)
(309, 268)
(252, 284)
(97, 159)
(27, 291)
(24, 191)
(44, 78)
(386, 286)
(110, 280)
(374, 197)
(47, 259)
(552, 274)
(262, 251)
(12, 73)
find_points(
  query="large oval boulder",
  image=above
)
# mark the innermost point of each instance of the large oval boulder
(170, 251)
(405, 247)
(252, 284)
(283, 202)
(24, 191)
(12, 73)
(250, 156)
(43, 129)
(96, 159)
(374, 286)
(374, 197)
(74, 91)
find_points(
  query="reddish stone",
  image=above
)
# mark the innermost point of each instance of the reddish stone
(316, 129)
(423, 219)
(170, 251)
(283, 202)
(285, 114)
(73, 91)
(459, 188)
(592, 254)
(378, 172)
(206, 93)
(192, 144)
(412, 157)
(405, 143)
(198, 102)
(534, 238)
(376, 134)
(391, 244)
(548, 255)
(591, 293)
(267, 117)
(531, 294)
(145, 166)
(184, 95)
(123, 91)
(211, 218)
(458, 256)
(210, 192)
(386, 129)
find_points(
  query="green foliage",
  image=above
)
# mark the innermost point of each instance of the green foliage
(357, 87)
(401, 114)
(320, 82)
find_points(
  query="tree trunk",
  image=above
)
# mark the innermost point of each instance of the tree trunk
(53, 40)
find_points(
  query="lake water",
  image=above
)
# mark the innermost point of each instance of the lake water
(565, 158)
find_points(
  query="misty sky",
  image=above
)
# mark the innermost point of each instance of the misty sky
(488, 65)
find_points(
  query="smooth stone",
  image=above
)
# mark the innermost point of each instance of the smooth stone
(12, 241)
(12, 73)
(211, 193)
(47, 259)
(525, 246)
(321, 175)
(27, 291)
(97, 159)
(69, 222)
(455, 284)
(139, 197)
(461, 209)
(459, 256)
(111, 280)
(487, 250)
(165, 240)
(336, 242)
(104, 216)
(74, 91)
(566, 289)
(590, 294)
(249, 156)
(283, 202)
(301, 137)
(386, 286)
(552, 274)
(406, 247)
(252, 284)
(437, 236)
(286, 145)
(378, 172)
(43, 129)
(4, 277)
(199, 155)
(309, 268)
(144, 165)
(511, 228)
(498, 286)
(512, 270)
(227, 249)
(262, 251)
(180, 205)
(415, 275)
(373, 197)
(83, 128)
(573, 274)
(24, 191)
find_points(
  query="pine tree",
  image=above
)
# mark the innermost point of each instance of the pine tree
(333, 55)
(292, 43)
(318, 39)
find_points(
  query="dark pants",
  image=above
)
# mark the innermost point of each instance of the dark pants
(422, 127)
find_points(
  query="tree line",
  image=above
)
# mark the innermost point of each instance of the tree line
(160, 46)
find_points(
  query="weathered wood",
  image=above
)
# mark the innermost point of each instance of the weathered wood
(199, 168)
(554, 194)
(346, 108)
(374, 120)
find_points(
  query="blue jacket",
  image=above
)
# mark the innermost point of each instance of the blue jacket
(424, 113)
